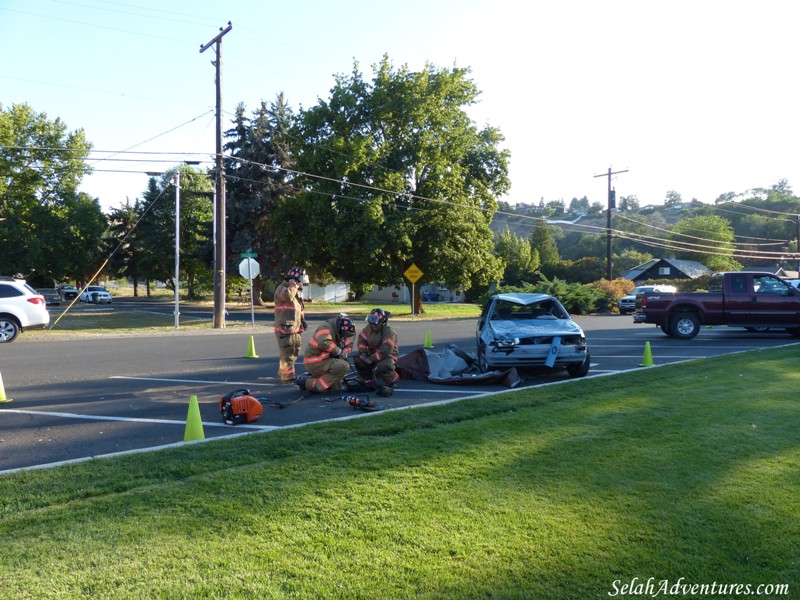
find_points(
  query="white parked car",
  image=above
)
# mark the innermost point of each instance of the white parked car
(96, 294)
(627, 304)
(20, 308)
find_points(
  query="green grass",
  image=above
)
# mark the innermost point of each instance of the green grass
(110, 318)
(688, 470)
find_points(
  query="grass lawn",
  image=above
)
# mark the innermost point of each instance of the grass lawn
(106, 318)
(684, 471)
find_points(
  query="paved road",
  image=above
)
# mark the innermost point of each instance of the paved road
(83, 396)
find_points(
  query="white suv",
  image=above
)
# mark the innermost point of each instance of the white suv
(20, 308)
(627, 303)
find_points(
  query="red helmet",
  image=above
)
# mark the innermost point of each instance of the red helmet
(345, 326)
(297, 274)
(378, 316)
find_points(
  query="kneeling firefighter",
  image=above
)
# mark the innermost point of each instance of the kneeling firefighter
(326, 355)
(376, 361)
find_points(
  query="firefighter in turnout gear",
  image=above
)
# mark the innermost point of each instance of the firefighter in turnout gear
(326, 355)
(376, 361)
(290, 321)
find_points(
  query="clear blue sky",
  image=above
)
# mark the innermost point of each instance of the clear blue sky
(699, 97)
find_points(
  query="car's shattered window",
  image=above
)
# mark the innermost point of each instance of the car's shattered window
(545, 309)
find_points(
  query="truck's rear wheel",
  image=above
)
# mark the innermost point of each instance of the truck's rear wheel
(684, 325)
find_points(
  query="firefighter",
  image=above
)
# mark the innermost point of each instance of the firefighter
(290, 321)
(376, 361)
(326, 355)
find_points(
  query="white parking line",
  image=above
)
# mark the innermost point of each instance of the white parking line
(127, 419)
(193, 381)
(665, 356)
(396, 390)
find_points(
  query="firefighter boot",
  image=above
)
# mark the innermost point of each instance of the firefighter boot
(301, 381)
(382, 389)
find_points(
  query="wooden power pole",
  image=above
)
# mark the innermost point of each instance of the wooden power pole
(219, 205)
(612, 203)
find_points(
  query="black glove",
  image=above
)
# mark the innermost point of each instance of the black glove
(303, 323)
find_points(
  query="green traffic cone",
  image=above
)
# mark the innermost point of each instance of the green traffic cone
(3, 391)
(647, 361)
(194, 424)
(251, 349)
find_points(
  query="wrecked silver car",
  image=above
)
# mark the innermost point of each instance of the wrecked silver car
(530, 330)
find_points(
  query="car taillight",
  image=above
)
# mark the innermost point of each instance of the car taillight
(37, 300)
(644, 301)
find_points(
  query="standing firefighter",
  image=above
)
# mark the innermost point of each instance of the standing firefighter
(376, 361)
(326, 355)
(290, 321)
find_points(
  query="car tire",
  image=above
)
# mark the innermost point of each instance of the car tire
(580, 370)
(665, 328)
(9, 330)
(760, 329)
(684, 325)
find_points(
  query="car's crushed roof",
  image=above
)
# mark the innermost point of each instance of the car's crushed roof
(523, 298)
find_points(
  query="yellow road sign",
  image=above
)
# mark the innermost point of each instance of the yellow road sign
(413, 273)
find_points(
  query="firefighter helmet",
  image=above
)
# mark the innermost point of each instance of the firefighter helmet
(378, 316)
(345, 326)
(298, 274)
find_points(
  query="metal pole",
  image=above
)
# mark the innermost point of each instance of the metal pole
(177, 246)
(608, 230)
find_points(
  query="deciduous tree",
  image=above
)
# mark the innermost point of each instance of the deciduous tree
(707, 239)
(48, 231)
(397, 174)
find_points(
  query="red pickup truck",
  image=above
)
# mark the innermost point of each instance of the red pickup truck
(755, 301)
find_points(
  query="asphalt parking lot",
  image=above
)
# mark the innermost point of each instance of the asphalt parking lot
(79, 397)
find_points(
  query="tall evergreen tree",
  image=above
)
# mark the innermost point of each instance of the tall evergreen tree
(543, 242)
(258, 181)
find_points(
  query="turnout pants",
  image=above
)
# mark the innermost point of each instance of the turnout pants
(288, 350)
(327, 376)
(383, 371)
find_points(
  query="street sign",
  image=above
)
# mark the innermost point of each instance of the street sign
(413, 273)
(248, 254)
(249, 268)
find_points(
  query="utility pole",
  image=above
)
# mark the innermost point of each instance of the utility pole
(797, 224)
(612, 203)
(219, 217)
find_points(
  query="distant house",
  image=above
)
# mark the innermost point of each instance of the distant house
(775, 270)
(666, 268)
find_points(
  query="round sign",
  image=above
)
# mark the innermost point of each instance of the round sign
(248, 268)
